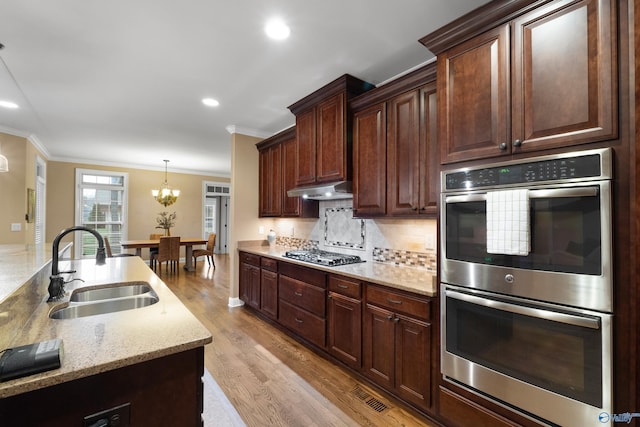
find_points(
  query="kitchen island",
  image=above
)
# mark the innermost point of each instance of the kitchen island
(149, 358)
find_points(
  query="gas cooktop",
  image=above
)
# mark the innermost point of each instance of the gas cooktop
(317, 256)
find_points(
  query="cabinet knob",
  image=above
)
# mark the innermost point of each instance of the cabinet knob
(517, 143)
(502, 146)
(330, 296)
(396, 319)
(390, 317)
(414, 208)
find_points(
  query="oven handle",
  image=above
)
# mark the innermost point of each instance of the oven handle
(533, 194)
(554, 316)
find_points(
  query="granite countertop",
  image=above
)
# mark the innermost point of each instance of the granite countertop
(104, 342)
(18, 263)
(416, 280)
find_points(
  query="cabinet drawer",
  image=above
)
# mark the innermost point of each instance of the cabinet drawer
(303, 295)
(269, 264)
(305, 274)
(248, 258)
(345, 286)
(395, 301)
(303, 323)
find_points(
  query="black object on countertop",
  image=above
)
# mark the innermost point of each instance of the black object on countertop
(30, 359)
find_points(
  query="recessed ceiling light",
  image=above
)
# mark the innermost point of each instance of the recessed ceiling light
(210, 102)
(277, 29)
(8, 104)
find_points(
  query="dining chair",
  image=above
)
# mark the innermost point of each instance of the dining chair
(208, 252)
(169, 252)
(153, 236)
(110, 254)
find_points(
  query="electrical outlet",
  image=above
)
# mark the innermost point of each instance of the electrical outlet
(430, 241)
(261, 229)
(16, 226)
(118, 416)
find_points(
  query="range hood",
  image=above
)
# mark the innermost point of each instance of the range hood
(327, 191)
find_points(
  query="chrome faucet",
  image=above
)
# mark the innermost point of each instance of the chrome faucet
(56, 285)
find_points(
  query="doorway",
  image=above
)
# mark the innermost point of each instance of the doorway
(215, 216)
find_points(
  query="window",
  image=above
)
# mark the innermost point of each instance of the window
(40, 201)
(101, 204)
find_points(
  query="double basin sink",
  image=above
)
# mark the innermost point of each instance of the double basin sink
(103, 299)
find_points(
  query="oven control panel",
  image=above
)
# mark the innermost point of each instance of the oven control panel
(536, 170)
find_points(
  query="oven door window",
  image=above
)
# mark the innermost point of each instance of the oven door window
(561, 357)
(565, 235)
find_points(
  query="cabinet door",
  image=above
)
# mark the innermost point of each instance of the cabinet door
(252, 285)
(378, 346)
(345, 330)
(473, 98)
(270, 181)
(249, 280)
(269, 293)
(564, 75)
(331, 144)
(413, 360)
(429, 160)
(403, 146)
(306, 141)
(369, 161)
(290, 205)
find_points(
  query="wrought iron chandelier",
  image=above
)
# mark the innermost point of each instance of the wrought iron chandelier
(166, 195)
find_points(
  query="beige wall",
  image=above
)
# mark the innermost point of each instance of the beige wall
(143, 209)
(21, 155)
(243, 214)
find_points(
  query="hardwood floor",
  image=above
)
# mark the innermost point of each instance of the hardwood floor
(271, 379)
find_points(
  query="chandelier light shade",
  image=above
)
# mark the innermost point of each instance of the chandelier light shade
(166, 195)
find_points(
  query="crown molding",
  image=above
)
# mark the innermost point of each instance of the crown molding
(248, 132)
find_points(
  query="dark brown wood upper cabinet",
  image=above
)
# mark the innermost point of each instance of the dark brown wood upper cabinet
(324, 132)
(369, 161)
(277, 160)
(395, 148)
(545, 79)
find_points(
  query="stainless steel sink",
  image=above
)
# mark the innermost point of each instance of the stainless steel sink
(72, 311)
(103, 299)
(117, 290)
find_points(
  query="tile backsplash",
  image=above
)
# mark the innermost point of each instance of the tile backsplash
(393, 241)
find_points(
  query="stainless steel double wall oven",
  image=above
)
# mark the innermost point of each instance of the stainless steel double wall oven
(532, 331)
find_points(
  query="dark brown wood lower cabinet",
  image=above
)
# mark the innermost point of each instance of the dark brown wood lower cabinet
(461, 412)
(345, 329)
(397, 354)
(167, 391)
(269, 293)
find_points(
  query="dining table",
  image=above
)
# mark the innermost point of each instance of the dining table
(187, 242)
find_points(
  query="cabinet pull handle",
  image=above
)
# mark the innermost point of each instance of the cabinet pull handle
(396, 319)
(517, 143)
(394, 301)
(502, 146)
(298, 294)
(414, 208)
(299, 320)
(330, 296)
(390, 317)
(343, 286)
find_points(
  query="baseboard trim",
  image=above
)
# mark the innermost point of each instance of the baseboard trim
(235, 302)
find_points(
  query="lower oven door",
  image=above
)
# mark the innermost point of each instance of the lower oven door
(548, 362)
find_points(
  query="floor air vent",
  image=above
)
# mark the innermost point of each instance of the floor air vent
(374, 403)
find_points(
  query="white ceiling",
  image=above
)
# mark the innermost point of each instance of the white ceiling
(121, 81)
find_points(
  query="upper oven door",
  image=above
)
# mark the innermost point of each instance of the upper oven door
(570, 257)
